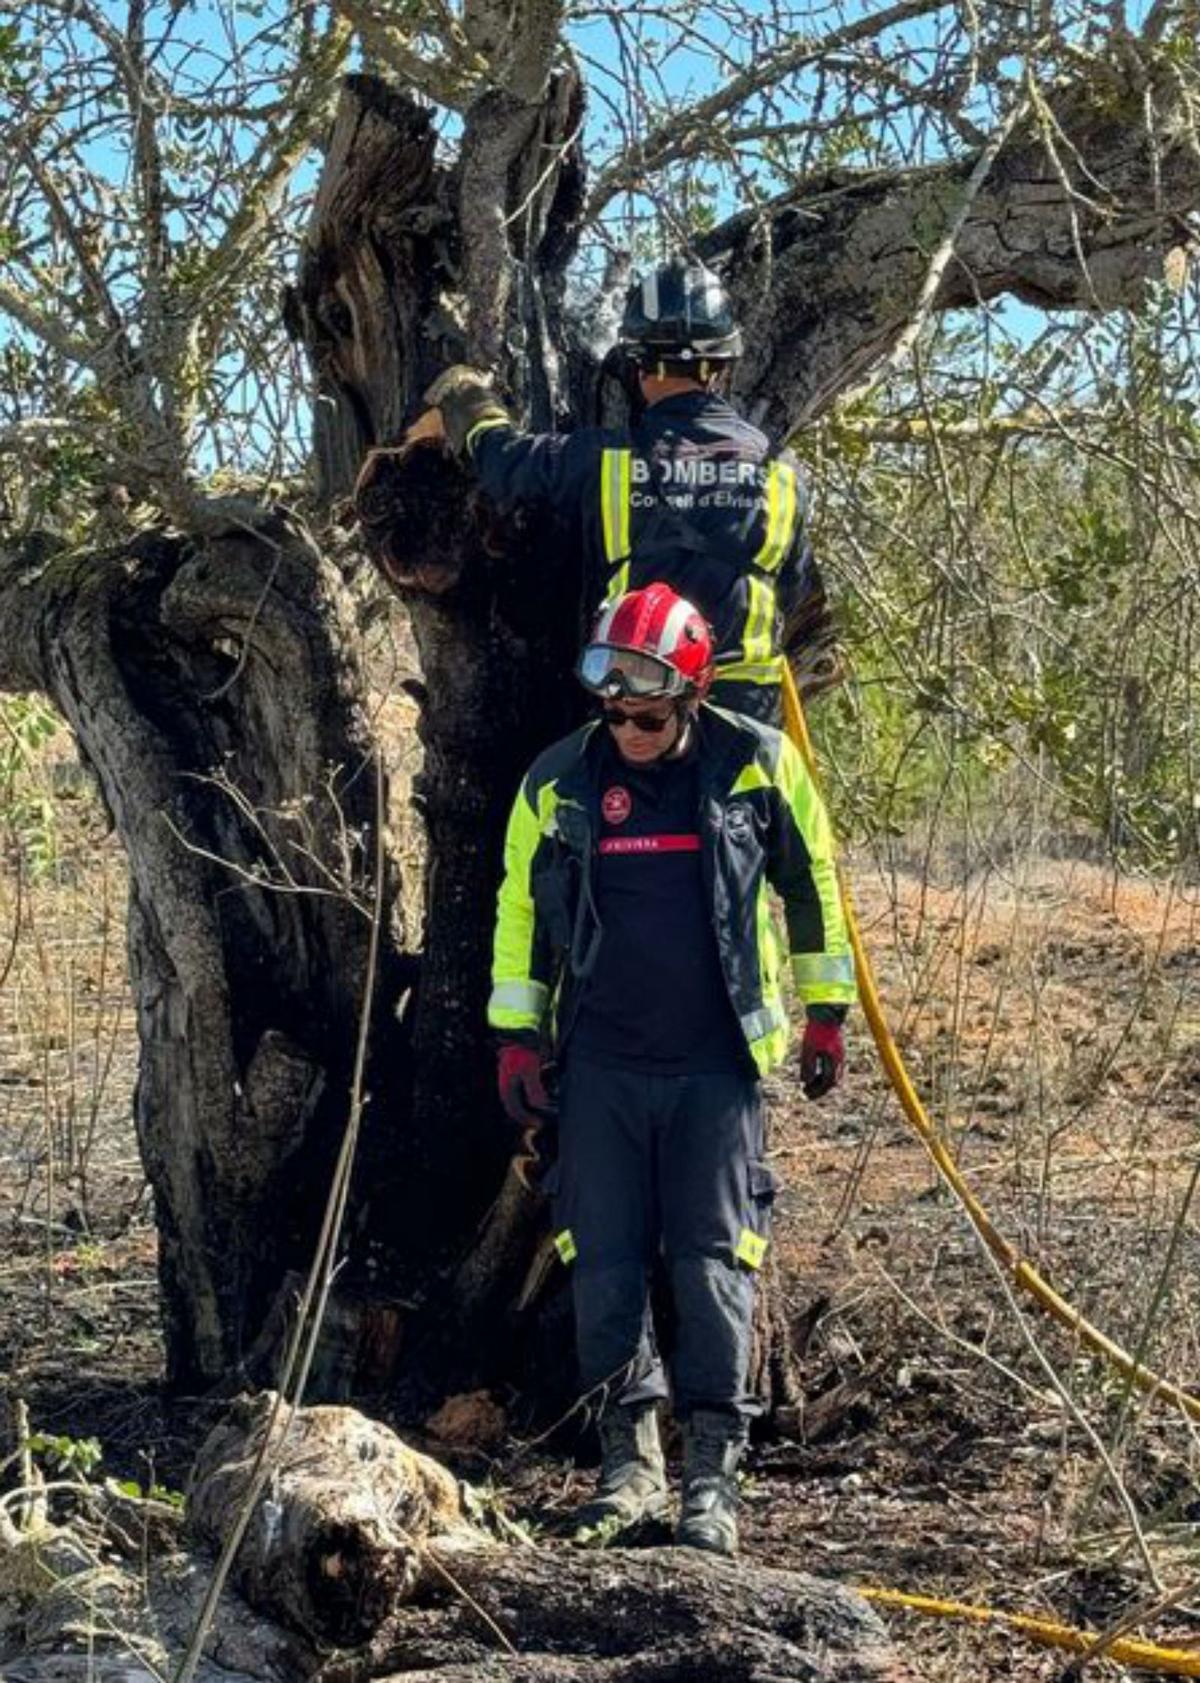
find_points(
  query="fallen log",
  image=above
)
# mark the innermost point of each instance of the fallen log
(362, 1540)
(630, 1616)
(337, 1540)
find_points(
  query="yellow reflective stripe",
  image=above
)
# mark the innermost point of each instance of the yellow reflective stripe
(781, 517)
(616, 468)
(758, 638)
(827, 993)
(751, 1248)
(564, 1244)
(522, 1022)
(743, 672)
(517, 997)
(766, 1029)
(808, 813)
(766, 1021)
(495, 419)
(512, 947)
(751, 777)
(822, 967)
(618, 584)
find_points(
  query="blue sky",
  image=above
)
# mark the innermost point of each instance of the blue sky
(195, 38)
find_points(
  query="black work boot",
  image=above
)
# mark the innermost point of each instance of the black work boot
(633, 1478)
(712, 1447)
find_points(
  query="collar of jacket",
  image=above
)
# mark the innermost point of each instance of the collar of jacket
(686, 403)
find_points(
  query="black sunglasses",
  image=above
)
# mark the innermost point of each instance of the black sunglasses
(617, 716)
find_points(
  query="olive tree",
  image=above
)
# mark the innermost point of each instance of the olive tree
(238, 248)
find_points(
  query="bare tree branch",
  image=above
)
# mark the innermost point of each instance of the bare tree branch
(942, 257)
(311, 100)
(1045, 234)
(448, 80)
(30, 313)
(914, 429)
(662, 145)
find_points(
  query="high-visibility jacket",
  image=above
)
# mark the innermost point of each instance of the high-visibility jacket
(762, 825)
(692, 496)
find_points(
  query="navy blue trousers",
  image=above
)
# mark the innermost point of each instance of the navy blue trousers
(663, 1166)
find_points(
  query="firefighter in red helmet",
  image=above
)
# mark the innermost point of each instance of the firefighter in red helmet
(635, 948)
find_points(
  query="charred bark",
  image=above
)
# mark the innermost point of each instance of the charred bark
(497, 607)
(633, 1616)
(215, 694)
(401, 274)
(363, 1541)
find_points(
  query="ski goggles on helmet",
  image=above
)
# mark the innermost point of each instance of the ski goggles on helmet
(610, 671)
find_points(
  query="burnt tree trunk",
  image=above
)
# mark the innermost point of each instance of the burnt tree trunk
(215, 694)
(410, 264)
(494, 606)
(497, 605)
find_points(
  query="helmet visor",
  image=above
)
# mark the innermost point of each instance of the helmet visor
(610, 671)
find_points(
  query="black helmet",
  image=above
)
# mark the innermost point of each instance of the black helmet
(680, 313)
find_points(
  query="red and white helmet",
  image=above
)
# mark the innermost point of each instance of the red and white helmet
(648, 643)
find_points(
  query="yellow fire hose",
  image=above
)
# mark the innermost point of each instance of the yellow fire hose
(1022, 1271)
(1173, 1662)
(1145, 1656)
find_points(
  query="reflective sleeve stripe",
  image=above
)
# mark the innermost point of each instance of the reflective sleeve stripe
(487, 424)
(564, 1244)
(807, 811)
(758, 638)
(519, 996)
(751, 1248)
(512, 952)
(827, 993)
(822, 967)
(781, 517)
(768, 1019)
(616, 468)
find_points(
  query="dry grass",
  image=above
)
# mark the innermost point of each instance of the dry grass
(1051, 1015)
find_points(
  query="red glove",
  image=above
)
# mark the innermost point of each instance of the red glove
(822, 1057)
(522, 1090)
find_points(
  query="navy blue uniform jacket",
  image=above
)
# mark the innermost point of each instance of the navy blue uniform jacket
(693, 496)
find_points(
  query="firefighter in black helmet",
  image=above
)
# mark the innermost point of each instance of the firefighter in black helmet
(690, 494)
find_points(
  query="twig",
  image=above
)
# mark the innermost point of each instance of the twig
(310, 1314)
(940, 261)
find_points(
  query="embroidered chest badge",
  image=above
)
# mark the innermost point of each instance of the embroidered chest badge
(616, 805)
(737, 823)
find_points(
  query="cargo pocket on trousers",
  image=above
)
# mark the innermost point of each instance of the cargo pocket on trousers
(560, 1232)
(751, 1248)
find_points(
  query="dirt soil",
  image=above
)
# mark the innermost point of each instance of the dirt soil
(1051, 1015)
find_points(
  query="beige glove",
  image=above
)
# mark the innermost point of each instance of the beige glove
(428, 428)
(465, 397)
